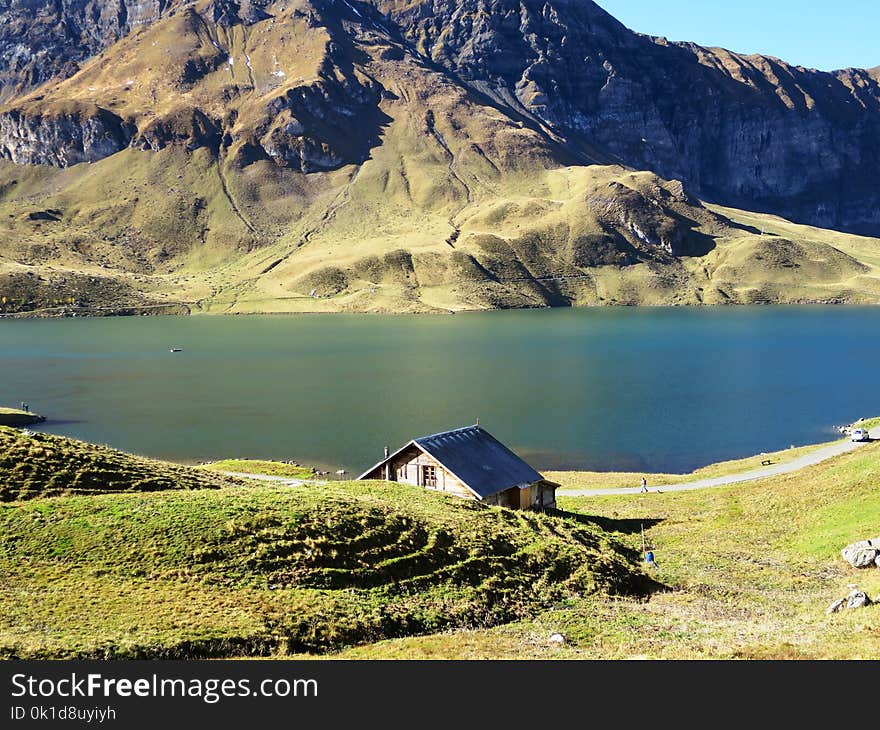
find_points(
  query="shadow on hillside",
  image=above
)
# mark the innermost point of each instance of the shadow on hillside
(745, 227)
(626, 527)
(643, 583)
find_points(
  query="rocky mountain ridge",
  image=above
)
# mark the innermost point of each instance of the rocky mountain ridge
(476, 153)
(41, 39)
(750, 131)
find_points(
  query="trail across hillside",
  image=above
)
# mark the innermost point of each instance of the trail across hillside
(814, 457)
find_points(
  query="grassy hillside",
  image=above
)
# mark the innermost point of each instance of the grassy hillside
(41, 465)
(91, 535)
(796, 262)
(870, 424)
(268, 570)
(542, 238)
(751, 569)
(384, 571)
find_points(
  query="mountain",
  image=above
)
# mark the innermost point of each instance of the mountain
(408, 156)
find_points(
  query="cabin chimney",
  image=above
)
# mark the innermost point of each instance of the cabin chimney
(386, 452)
(387, 466)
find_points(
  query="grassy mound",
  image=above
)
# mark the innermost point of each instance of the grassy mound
(42, 465)
(17, 418)
(256, 466)
(271, 570)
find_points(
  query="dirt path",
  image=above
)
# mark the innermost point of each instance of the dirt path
(814, 457)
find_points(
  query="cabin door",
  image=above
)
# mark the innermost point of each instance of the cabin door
(510, 498)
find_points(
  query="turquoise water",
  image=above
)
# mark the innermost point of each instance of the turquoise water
(641, 389)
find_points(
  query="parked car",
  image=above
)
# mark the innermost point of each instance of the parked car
(860, 434)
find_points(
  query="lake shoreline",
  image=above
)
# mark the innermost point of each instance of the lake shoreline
(151, 310)
(17, 418)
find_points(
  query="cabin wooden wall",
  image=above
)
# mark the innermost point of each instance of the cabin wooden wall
(538, 495)
(407, 468)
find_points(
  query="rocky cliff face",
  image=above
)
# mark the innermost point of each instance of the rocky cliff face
(750, 131)
(40, 39)
(325, 119)
(301, 83)
(68, 137)
(310, 128)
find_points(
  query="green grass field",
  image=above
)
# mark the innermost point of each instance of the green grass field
(623, 480)
(368, 570)
(95, 535)
(869, 423)
(271, 570)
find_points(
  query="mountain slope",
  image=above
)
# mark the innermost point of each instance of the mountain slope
(750, 131)
(386, 156)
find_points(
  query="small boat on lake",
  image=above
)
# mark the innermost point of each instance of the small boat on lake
(175, 349)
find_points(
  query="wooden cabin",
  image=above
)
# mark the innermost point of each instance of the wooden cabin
(470, 463)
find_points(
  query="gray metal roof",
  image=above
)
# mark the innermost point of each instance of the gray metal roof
(477, 458)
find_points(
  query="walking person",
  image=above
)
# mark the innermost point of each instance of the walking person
(644, 484)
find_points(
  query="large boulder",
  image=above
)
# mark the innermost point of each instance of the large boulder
(862, 554)
(857, 599)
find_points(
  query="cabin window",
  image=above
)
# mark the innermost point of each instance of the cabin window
(401, 472)
(429, 476)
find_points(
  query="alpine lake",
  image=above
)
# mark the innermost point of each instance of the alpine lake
(627, 389)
